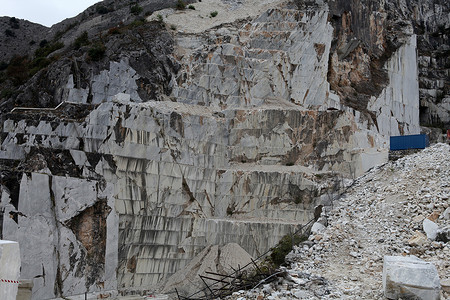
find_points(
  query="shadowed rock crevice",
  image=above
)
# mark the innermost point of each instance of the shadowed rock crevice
(89, 227)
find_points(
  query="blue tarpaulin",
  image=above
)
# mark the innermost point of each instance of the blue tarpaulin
(404, 142)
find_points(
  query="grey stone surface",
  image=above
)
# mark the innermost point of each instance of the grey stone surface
(213, 259)
(430, 229)
(317, 227)
(397, 108)
(251, 141)
(443, 234)
(446, 213)
(25, 290)
(9, 269)
(410, 278)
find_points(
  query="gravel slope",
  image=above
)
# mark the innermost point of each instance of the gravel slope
(378, 215)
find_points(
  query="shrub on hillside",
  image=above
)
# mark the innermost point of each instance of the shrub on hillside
(97, 52)
(18, 69)
(181, 5)
(283, 248)
(43, 43)
(82, 40)
(114, 30)
(136, 9)
(102, 9)
(49, 48)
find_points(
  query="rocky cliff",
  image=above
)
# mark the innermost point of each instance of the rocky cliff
(132, 143)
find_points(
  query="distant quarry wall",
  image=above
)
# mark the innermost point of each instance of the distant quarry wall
(118, 193)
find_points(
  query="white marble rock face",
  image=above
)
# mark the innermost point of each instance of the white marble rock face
(250, 146)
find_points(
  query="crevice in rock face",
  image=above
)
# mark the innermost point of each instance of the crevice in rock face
(187, 190)
(60, 162)
(120, 131)
(2, 211)
(176, 123)
(58, 288)
(11, 181)
(303, 197)
(89, 227)
(144, 185)
(15, 216)
(131, 264)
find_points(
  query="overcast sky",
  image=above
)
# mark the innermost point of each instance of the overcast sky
(45, 12)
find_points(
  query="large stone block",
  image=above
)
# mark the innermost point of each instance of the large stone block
(9, 269)
(410, 278)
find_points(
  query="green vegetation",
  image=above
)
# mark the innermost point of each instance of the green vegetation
(160, 18)
(136, 9)
(6, 93)
(43, 43)
(18, 69)
(39, 63)
(82, 40)
(283, 247)
(97, 52)
(213, 14)
(137, 23)
(101, 9)
(21, 68)
(60, 33)
(114, 30)
(49, 48)
(181, 5)
(191, 7)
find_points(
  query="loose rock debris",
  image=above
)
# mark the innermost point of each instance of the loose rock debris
(385, 212)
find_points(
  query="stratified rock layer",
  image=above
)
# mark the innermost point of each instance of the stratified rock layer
(251, 141)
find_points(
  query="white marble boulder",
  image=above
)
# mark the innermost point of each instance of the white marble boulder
(410, 278)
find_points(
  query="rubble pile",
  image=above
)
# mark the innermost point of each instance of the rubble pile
(398, 209)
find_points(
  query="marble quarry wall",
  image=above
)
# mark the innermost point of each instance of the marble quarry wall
(119, 194)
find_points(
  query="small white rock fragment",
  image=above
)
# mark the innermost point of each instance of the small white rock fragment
(317, 227)
(430, 229)
(446, 213)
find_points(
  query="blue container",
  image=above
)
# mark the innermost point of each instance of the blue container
(404, 142)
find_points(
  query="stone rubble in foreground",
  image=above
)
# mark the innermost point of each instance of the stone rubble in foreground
(381, 213)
